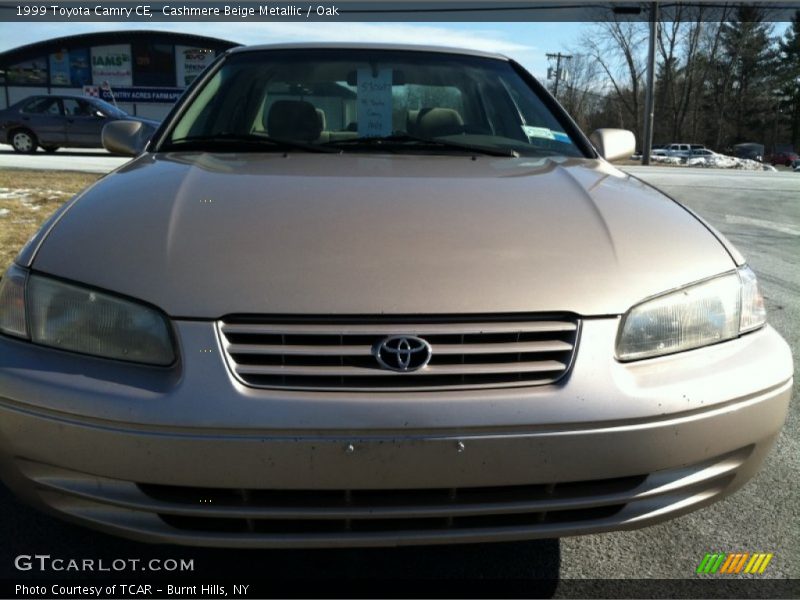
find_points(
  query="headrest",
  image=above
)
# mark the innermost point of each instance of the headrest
(321, 116)
(293, 120)
(411, 121)
(436, 122)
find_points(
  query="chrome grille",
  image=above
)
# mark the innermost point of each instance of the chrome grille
(337, 354)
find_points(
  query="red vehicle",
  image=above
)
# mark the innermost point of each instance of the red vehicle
(784, 157)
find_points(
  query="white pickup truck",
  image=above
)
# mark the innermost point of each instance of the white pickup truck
(683, 150)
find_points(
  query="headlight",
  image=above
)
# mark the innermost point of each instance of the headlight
(70, 317)
(12, 303)
(698, 315)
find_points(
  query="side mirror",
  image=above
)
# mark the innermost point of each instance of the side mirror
(100, 114)
(125, 137)
(613, 144)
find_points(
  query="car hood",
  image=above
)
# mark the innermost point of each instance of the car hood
(205, 235)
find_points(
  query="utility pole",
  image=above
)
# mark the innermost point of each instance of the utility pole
(649, 99)
(558, 57)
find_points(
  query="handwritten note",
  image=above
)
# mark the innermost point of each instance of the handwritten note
(374, 102)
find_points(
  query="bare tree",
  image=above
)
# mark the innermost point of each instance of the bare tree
(615, 45)
(667, 46)
(581, 95)
(719, 81)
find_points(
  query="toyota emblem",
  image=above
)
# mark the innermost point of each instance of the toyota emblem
(403, 353)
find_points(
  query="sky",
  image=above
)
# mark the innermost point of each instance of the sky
(528, 43)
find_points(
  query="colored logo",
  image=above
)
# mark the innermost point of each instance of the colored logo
(734, 563)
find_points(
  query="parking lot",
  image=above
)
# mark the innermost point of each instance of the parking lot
(760, 213)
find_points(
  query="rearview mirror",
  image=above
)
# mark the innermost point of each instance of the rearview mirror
(125, 137)
(613, 144)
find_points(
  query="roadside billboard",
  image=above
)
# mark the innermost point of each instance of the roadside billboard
(29, 72)
(190, 62)
(70, 68)
(80, 69)
(112, 64)
(59, 68)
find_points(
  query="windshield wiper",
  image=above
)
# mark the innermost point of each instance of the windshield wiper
(404, 138)
(232, 141)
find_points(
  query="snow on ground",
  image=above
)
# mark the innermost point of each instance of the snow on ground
(8, 194)
(721, 161)
(29, 199)
(666, 160)
(717, 161)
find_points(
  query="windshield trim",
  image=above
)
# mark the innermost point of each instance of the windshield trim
(559, 112)
(369, 46)
(178, 109)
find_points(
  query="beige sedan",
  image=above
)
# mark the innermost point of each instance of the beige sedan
(376, 295)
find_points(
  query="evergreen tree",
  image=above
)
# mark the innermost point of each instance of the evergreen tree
(748, 63)
(789, 73)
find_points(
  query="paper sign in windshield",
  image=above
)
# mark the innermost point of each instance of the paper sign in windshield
(538, 132)
(374, 102)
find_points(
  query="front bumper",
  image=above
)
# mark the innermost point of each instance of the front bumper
(189, 455)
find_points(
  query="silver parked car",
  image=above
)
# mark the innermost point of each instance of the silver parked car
(379, 295)
(54, 121)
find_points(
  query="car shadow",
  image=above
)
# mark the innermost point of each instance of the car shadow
(417, 570)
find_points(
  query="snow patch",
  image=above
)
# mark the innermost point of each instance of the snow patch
(666, 160)
(9, 194)
(721, 161)
(24, 195)
(717, 161)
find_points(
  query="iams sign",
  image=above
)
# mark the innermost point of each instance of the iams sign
(109, 60)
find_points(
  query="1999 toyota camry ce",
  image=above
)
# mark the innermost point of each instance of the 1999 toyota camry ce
(379, 295)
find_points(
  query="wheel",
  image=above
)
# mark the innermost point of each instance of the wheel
(788, 163)
(49, 149)
(24, 141)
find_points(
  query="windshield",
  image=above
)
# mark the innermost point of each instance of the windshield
(365, 100)
(108, 109)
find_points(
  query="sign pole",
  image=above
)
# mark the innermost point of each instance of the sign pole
(649, 101)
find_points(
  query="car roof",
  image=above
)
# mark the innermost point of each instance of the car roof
(75, 96)
(370, 46)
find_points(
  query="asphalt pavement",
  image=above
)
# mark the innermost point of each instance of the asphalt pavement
(64, 159)
(760, 214)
